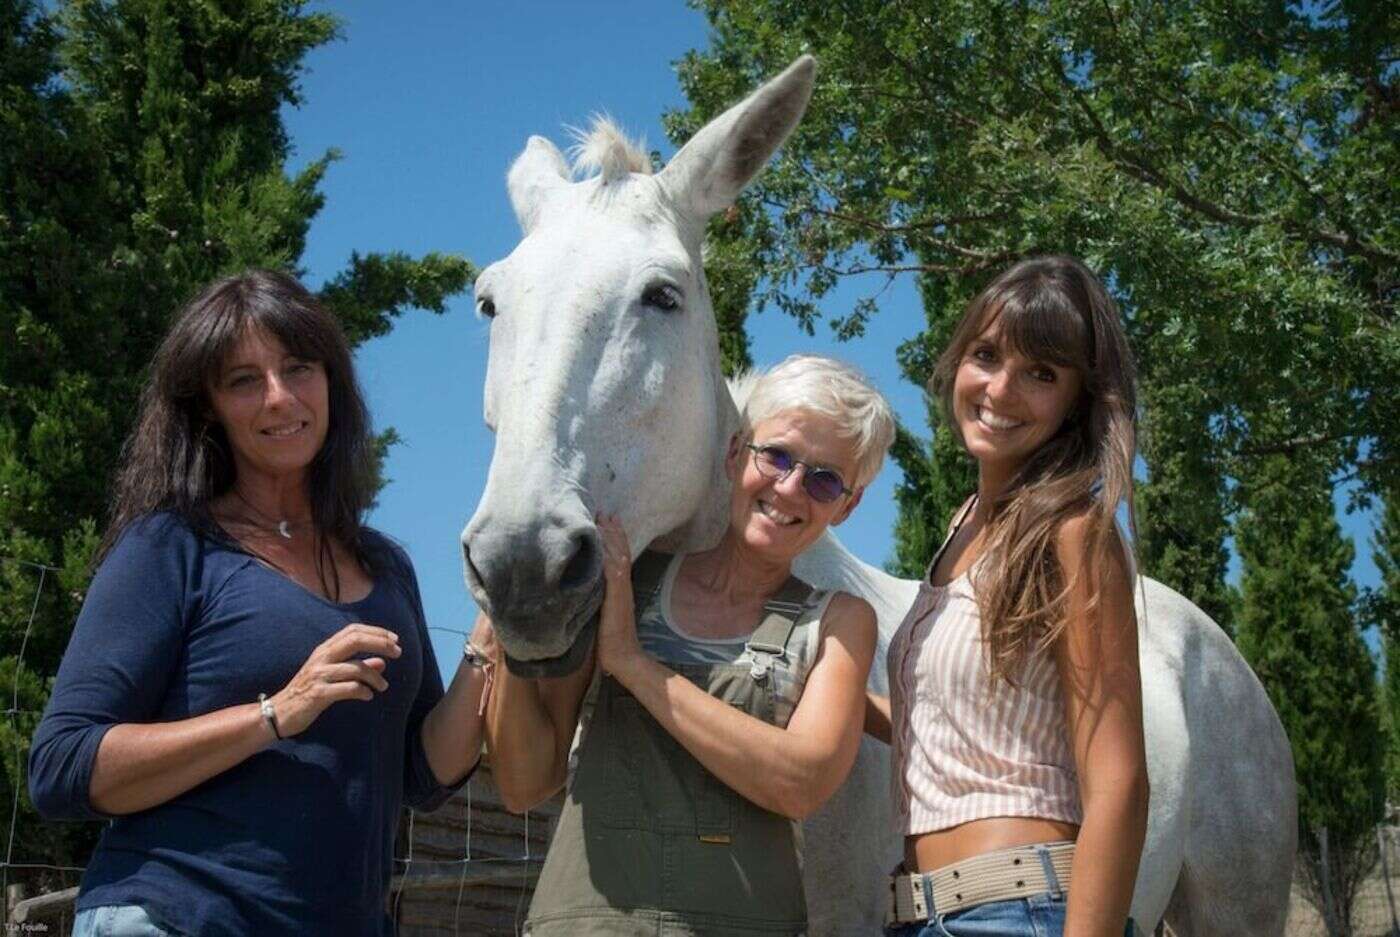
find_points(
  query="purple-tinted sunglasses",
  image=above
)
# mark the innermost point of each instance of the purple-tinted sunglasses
(821, 484)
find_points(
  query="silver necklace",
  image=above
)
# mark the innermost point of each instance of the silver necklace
(283, 528)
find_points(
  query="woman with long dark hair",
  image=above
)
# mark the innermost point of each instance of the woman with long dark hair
(1020, 780)
(249, 694)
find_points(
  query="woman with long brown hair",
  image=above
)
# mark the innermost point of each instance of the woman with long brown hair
(1020, 780)
(249, 693)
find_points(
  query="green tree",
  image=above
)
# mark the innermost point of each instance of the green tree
(142, 154)
(1390, 715)
(1299, 630)
(1382, 611)
(1227, 167)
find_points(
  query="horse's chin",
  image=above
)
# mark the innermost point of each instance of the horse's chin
(585, 620)
(563, 665)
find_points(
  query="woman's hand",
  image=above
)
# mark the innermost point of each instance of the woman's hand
(617, 629)
(330, 675)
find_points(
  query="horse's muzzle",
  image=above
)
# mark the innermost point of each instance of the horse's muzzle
(563, 665)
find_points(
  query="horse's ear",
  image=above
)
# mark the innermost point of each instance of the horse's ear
(711, 170)
(536, 172)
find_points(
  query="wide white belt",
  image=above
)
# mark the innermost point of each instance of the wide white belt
(1019, 872)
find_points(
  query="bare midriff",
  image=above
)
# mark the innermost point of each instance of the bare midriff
(925, 852)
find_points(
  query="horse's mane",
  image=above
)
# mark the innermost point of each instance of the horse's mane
(606, 150)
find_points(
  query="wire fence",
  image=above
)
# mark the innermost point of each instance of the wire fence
(15, 714)
(1375, 907)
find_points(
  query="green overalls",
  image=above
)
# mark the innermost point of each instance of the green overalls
(649, 842)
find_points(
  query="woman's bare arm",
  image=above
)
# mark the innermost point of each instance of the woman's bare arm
(529, 726)
(1097, 657)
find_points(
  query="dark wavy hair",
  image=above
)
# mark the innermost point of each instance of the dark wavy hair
(178, 457)
(1051, 309)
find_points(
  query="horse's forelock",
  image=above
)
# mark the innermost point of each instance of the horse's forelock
(606, 150)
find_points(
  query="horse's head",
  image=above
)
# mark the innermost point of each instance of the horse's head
(603, 384)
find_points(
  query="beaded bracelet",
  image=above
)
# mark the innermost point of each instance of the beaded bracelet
(476, 657)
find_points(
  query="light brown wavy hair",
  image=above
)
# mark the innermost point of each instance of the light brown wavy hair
(1054, 310)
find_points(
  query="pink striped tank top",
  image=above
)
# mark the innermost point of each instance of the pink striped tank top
(967, 747)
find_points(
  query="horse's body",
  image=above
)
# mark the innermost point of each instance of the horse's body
(604, 387)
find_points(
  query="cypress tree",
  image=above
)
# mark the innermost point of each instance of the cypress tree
(1298, 628)
(1182, 504)
(1383, 612)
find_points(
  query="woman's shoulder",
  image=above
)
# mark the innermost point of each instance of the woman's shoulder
(851, 613)
(156, 551)
(159, 531)
(850, 605)
(1085, 540)
(1079, 529)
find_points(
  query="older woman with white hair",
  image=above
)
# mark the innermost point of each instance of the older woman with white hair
(732, 694)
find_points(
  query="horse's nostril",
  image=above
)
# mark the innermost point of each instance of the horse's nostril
(579, 570)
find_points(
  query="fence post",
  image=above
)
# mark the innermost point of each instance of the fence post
(1385, 873)
(1329, 908)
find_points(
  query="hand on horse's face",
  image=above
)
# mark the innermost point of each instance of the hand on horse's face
(617, 628)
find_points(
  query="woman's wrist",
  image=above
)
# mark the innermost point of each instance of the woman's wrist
(267, 710)
(627, 664)
(479, 669)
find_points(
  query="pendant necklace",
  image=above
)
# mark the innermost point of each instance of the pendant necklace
(283, 528)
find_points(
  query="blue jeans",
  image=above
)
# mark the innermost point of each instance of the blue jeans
(1037, 916)
(117, 920)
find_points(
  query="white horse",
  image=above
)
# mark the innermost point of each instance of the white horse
(605, 392)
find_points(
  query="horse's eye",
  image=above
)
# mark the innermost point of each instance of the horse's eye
(486, 307)
(663, 296)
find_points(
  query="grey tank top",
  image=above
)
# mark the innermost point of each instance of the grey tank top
(664, 640)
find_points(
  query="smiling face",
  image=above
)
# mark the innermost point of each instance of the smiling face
(1007, 405)
(777, 517)
(272, 405)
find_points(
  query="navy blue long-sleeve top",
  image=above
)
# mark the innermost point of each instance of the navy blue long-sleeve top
(296, 839)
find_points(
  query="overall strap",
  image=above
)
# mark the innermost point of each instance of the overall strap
(793, 606)
(648, 570)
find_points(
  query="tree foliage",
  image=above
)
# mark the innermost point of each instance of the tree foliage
(1297, 627)
(142, 154)
(1228, 167)
(1382, 611)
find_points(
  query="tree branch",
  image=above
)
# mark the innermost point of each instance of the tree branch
(1285, 446)
(1142, 169)
(870, 224)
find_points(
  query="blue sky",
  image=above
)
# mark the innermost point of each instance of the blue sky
(429, 102)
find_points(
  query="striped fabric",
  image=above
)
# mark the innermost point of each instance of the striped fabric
(966, 747)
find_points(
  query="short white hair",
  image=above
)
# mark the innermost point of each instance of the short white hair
(832, 388)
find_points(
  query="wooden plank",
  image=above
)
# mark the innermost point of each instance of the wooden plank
(438, 876)
(45, 907)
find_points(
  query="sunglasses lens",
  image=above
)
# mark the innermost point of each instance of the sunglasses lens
(775, 461)
(822, 485)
